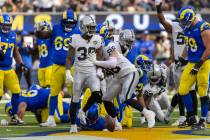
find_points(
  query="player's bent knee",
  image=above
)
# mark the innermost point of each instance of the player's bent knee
(182, 91)
(202, 90)
(98, 96)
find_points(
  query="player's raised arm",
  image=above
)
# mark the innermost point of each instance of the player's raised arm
(163, 21)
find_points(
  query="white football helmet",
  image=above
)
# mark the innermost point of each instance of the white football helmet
(110, 27)
(154, 74)
(126, 38)
(87, 25)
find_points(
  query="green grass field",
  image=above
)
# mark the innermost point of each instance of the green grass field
(31, 126)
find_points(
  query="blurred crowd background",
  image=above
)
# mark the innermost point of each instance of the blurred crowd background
(97, 5)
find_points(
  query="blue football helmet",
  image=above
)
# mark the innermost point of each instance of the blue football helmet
(92, 114)
(69, 20)
(186, 16)
(8, 108)
(43, 29)
(5, 23)
(143, 62)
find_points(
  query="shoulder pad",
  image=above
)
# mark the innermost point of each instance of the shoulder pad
(204, 26)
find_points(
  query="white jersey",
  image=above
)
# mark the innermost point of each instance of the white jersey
(82, 48)
(178, 39)
(124, 66)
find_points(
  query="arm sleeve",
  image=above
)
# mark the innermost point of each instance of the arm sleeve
(110, 63)
(205, 26)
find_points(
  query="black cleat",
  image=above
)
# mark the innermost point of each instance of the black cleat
(191, 120)
(183, 124)
(200, 125)
(15, 120)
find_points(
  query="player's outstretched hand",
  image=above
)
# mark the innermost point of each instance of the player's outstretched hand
(69, 77)
(158, 2)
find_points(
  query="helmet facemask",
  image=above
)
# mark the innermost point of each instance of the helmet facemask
(68, 25)
(5, 27)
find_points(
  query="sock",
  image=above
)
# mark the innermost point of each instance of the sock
(95, 97)
(110, 109)
(135, 104)
(181, 106)
(15, 101)
(195, 101)
(53, 105)
(204, 106)
(174, 100)
(188, 103)
(73, 112)
(0, 98)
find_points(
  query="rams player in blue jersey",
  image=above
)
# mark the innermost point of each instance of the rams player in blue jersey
(60, 43)
(43, 33)
(8, 77)
(35, 99)
(197, 35)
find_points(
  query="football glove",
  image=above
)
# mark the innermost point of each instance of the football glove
(196, 68)
(23, 68)
(181, 62)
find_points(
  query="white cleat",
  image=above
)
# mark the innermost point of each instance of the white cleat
(118, 126)
(73, 129)
(82, 117)
(150, 116)
(49, 123)
(179, 121)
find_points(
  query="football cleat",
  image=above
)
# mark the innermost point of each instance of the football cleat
(15, 120)
(200, 125)
(82, 117)
(142, 120)
(118, 126)
(179, 121)
(49, 123)
(73, 129)
(150, 116)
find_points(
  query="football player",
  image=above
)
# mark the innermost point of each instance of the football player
(178, 58)
(60, 37)
(155, 92)
(43, 33)
(125, 77)
(8, 77)
(35, 99)
(197, 34)
(81, 46)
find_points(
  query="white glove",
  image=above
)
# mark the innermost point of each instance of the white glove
(69, 77)
(4, 122)
(100, 73)
(157, 2)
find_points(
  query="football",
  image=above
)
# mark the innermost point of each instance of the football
(110, 124)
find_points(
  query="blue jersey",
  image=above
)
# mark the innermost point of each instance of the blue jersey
(60, 40)
(7, 44)
(194, 41)
(35, 98)
(143, 80)
(45, 52)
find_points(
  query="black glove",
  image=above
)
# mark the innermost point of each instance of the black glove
(181, 62)
(196, 68)
(1, 55)
(23, 68)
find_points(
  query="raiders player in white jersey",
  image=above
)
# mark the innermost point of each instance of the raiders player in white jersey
(85, 71)
(125, 77)
(178, 54)
(155, 93)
